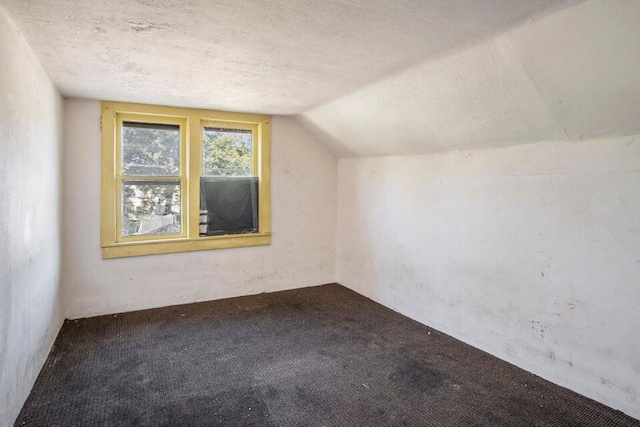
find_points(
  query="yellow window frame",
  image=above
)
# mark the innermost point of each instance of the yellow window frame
(192, 123)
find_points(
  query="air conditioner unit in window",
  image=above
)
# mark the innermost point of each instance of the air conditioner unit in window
(231, 205)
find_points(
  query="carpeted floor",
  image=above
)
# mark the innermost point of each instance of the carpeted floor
(322, 356)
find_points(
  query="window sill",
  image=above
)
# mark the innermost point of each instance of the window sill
(129, 249)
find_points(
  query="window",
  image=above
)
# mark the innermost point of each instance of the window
(176, 180)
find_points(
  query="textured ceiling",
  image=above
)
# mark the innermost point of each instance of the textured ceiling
(570, 75)
(276, 56)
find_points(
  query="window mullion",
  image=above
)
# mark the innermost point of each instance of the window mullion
(194, 171)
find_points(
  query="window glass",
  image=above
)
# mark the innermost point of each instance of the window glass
(150, 149)
(227, 152)
(150, 208)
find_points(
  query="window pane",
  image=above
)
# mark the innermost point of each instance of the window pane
(150, 207)
(227, 152)
(150, 149)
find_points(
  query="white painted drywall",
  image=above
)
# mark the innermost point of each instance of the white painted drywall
(30, 202)
(302, 252)
(479, 244)
(569, 75)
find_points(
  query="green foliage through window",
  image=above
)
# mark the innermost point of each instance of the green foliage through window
(150, 149)
(227, 152)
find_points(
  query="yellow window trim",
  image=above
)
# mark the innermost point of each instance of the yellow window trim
(191, 122)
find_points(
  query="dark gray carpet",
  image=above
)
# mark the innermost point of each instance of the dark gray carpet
(322, 356)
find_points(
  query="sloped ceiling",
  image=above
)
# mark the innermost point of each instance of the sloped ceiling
(368, 77)
(267, 56)
(574, 74)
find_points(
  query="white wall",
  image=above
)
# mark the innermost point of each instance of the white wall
(479, 244)
(302, 252)
(30, 194)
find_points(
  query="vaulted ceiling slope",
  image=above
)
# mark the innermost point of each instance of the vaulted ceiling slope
(571, 75)
(368, 77)
(267, 56)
